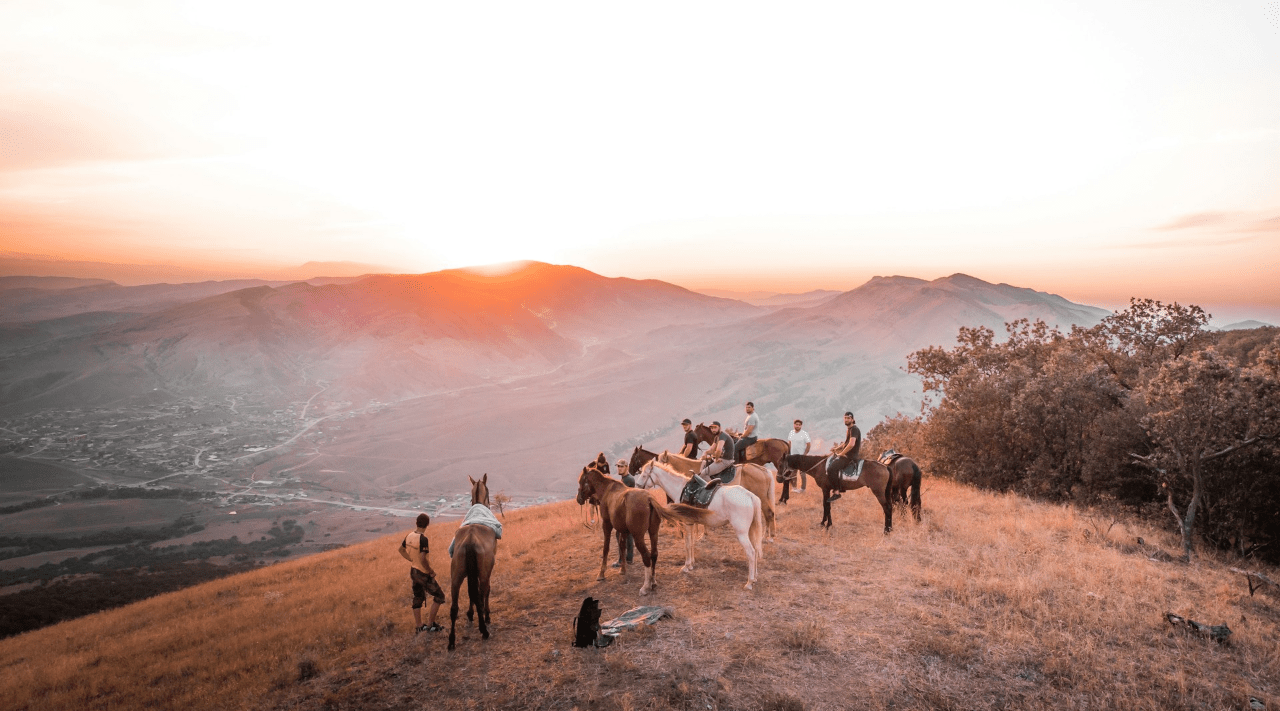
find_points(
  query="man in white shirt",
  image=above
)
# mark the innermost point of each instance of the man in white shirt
(800, 444)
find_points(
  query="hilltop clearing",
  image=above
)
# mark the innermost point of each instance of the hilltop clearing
(990, 602)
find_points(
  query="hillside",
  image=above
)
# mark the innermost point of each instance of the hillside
(991, 602)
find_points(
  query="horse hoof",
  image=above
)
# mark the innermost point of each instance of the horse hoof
(747, 586)
(484, 635)
(601, 578)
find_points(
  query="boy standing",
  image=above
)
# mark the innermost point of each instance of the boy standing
(414, 548)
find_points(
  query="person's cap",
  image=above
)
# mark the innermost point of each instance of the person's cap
(686, 421)
(621, 463)
(715, 423)
(848, 414)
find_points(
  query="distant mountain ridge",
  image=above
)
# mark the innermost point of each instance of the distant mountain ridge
(491, 370)
(382, 336)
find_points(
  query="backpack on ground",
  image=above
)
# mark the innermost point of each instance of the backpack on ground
(587, 623)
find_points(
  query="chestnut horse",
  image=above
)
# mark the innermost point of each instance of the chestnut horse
(752, 477)
(629, 510)
(474, 548)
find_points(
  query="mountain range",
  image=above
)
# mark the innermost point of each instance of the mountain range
(522, 373)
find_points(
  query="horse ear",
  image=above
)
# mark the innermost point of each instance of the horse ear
(473, 481)
(485, 478)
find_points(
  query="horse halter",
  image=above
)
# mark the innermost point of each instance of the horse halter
(645, 478)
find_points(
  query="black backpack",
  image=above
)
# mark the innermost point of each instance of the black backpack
(587, 623)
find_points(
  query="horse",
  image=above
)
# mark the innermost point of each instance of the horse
(731, 505)
(753, 477)
(474, 548)
(631, 511)
(640, 457)
(764, 451)
(906, 474)
(875, 476)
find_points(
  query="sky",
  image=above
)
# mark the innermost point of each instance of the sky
(1096, 149)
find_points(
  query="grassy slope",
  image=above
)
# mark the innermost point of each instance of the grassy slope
(992, 602)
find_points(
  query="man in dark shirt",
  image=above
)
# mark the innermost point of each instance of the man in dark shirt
(850, 448)
(690, 448)
(720, 455)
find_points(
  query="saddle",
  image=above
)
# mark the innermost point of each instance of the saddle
(697, 495)
(740, 448)
(889, 457)
(851, 471)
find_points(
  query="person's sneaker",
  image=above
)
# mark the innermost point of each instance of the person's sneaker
(615, 564)
(432, 628)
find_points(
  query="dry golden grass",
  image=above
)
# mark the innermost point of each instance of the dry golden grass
(991, 602)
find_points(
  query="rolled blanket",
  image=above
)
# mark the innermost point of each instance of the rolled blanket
(479, 514)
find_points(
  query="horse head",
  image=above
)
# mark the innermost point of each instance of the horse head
(479, 490)
(585, 490)
(665, 458)
(646, 479)
(704, 433)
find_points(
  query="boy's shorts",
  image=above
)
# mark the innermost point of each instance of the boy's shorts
(424, 585)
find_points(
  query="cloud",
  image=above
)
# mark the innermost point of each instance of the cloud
(1199, 219)
(1271, 224)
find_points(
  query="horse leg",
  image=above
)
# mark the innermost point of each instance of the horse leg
(455, 583)
(622, 550)
(887, 505)
(607, 527)
(655, 522)
(483, 603)
(688, 549)
(826, 509)
(647, 561)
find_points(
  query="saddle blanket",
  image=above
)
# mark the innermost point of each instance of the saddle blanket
(479, 514)
(852, 471)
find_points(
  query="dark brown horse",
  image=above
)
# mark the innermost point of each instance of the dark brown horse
(639, 458)
(906, 474)
(875, 476)
(629, 511)
(474, 548)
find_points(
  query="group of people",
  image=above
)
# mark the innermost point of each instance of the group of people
(718, 457)
(726, 443)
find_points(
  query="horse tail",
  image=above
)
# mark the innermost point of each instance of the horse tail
(915, 490)
(473, 576)
(682, 513)
(756, 531)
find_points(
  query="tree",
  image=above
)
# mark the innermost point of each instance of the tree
(1201, 409)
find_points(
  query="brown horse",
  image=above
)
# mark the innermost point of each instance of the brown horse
(639, 458)
(474, 548)
(875, 476)
(906, 474)
(752, 477)
(629, 510)
(765, 451)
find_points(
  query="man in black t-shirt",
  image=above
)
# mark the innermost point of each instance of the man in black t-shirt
(690, 448)
(849, 448)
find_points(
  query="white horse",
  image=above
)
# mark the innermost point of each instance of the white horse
(733, 505)
(752, 477)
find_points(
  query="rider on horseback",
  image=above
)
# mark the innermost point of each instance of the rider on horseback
(718, 458)
(748, 435)
(852, 443)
